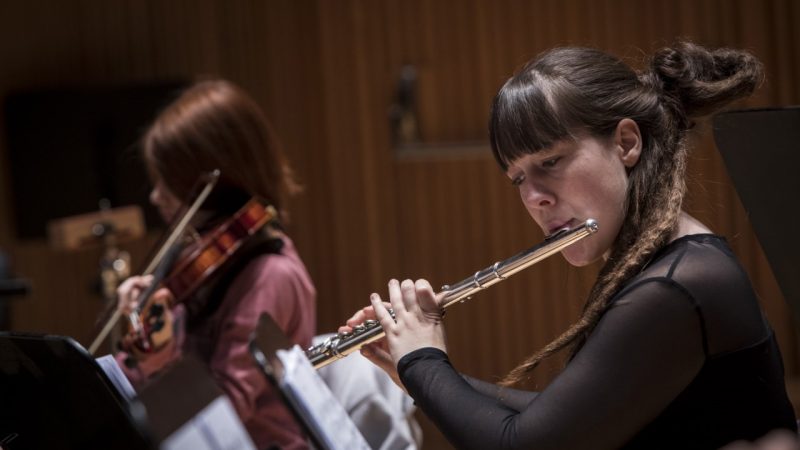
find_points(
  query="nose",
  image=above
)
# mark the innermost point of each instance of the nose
(536, 196)
(158, 195)
(155, 195)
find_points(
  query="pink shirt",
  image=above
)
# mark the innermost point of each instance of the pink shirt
(276, 284)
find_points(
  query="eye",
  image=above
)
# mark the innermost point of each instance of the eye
(550, 163)
(517, 180)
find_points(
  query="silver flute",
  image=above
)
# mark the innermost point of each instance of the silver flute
(343, 344)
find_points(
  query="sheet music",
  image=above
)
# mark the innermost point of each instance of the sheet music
(301, 382)
(216, 427)
(116, 376)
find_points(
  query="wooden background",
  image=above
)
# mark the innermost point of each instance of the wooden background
(325, 71)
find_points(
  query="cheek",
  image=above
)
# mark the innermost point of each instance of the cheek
(171, 205)
(161, 196)
(166, 203)
(606, 199)
(605, 203)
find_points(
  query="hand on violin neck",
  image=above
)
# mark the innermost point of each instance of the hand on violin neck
(156, 331)
(162, 341)
(150, 324)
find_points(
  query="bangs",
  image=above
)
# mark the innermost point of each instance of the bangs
(523, 119)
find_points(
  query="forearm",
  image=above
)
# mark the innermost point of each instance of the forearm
(513, 398)
(445, 396)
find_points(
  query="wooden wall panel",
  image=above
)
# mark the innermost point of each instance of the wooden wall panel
(325, 72)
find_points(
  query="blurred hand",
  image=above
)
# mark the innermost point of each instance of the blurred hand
(155, 322)
(129, 291)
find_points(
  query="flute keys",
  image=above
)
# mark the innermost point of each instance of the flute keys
(363, 327)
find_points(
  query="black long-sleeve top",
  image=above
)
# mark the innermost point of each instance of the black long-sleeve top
(682, 359)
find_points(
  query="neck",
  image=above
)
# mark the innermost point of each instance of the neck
(688, 225)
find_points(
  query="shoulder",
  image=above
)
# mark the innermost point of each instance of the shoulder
(700, 275)
(655, 299)
(273, 279)
(272, 267)
(695, 262)
(666, 289)
(277, 284)
(698, 269)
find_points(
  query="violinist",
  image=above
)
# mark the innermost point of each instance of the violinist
(215, 125)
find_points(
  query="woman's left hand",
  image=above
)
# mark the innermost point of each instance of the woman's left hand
(417, 321)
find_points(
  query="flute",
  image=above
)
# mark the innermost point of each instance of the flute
(343, 344)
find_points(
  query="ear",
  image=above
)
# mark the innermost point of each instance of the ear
(628, 140)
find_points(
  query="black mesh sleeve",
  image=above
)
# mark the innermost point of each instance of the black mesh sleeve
(643, 352)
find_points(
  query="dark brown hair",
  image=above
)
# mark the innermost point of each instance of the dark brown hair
(569, 91)
(216, 125)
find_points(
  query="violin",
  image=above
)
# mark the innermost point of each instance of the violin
(182, 271)
(162, 261)
(191, 271)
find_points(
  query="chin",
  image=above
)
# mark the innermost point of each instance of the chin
(579, 257)
(578, 262)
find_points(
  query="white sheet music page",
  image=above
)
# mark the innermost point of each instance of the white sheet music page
(216, 427)
(331, 421)
(116, 376)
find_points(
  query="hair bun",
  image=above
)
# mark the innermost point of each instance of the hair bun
(700, 80)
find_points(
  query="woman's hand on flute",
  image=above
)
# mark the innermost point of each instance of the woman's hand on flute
(418, 324)
(417, 321)
(377, 352)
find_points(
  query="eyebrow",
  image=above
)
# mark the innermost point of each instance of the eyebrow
(545, 153)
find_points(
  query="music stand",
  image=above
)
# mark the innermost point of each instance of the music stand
(54, 395)
(81, 231)
(14, 287)
(285, 365)
(9, 287)
(760, 150)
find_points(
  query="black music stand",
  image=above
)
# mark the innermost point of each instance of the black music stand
(322, 417)
(9, 287)
(54, 395)
(761, 151)
(14, 287)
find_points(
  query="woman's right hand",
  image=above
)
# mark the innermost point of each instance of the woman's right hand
(129, 291)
